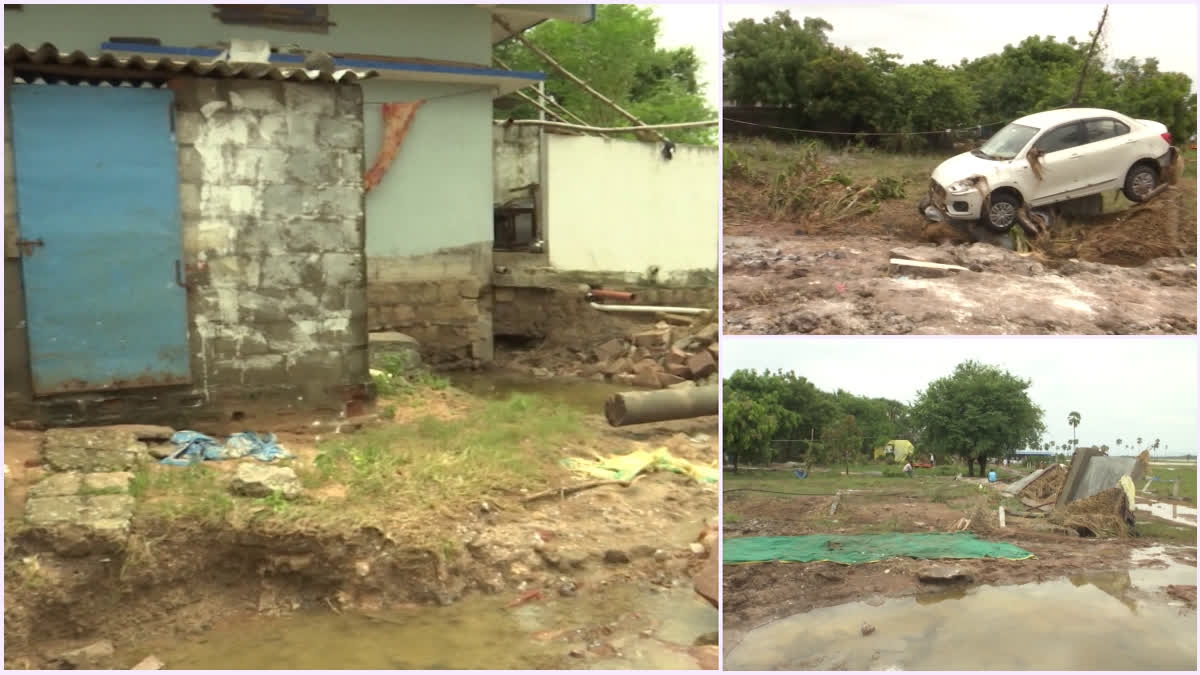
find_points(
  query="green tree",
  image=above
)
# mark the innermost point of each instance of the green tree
(841, 441)
(977, 412)
(1073, 419)
(616, 54)
(793, 65)
(747, 427)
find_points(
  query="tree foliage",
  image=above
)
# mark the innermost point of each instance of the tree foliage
(618, 56)
(792, 64)
(976, 413)
(795, 414)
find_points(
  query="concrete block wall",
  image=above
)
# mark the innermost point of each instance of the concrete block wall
(273, 231)
(443, 299)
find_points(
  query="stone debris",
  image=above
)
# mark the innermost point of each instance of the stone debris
(942, 574)
(253, 479)
(151, 662)
(81, 512)
(90, 450)
(866, 628)
(92, 657)
(664, 357)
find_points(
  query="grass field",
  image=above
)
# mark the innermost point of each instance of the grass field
(1185, 474)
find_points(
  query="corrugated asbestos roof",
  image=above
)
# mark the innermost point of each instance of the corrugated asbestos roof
(52, 65)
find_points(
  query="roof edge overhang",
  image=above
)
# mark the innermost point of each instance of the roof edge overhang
(398, 70)
(523, 17)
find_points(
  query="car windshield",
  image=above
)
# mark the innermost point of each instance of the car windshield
(1007, 142)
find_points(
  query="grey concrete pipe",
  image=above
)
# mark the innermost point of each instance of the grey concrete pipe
(641, 407)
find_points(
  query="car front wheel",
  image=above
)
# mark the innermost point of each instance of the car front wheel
(1002, 213)
(1140, 182)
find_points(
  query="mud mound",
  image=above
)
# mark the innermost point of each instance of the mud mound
(1135, 236)
(1104, 514)
(1187, 594)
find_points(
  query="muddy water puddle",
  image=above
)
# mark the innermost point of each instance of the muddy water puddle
(587, 396)
(626, 628)
(1105, 621)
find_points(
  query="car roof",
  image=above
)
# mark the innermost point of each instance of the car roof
(1051, 118)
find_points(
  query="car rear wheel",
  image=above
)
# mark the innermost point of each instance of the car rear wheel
(1002, 213)
(1140, 182)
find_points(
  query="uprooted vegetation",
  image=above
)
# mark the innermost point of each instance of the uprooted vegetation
(784, 189)
(800, 186)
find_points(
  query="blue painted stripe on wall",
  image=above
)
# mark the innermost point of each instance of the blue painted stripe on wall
(357, 64)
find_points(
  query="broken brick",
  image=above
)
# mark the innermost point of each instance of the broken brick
(645, 374)
(668, 379)
(714, 350)
(702, 364)
(611, 349)
(657, 339)
(708, 334)
(679, 370)
(677, 356)
(617, 366)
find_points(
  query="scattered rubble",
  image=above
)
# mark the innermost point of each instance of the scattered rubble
(664, 356)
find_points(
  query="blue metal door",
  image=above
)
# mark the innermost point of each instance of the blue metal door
(98, 197)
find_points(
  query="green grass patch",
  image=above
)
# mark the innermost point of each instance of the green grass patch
(1185, 474)
(393, 475)
(1157, 529)
(923, 484)
(731, 518)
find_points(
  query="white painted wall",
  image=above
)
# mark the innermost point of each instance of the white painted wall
(618, 206)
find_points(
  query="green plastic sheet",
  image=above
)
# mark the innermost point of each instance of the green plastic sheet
(851, 549)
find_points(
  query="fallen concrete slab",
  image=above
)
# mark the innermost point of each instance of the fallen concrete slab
(1016, 487)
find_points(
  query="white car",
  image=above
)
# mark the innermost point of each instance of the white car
(1047, 158)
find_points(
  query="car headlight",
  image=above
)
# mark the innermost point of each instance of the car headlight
(960, 187)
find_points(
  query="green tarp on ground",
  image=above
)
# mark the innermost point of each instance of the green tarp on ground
(850, 549)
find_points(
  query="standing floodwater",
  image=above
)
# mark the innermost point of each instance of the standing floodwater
(621, 629)
(1106, 621)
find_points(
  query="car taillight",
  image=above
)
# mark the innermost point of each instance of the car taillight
(1167, 137)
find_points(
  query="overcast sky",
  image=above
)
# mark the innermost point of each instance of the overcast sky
(696, 26)
(951, 32)
(1121, 387)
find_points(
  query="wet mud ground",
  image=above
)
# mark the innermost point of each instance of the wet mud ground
(1130, 272)
(603, 576)
(833, 600)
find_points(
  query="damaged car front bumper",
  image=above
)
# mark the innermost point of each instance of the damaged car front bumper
(961, 201)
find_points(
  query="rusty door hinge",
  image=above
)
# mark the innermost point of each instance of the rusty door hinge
(26, 246)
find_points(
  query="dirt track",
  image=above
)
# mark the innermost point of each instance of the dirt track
(1131, 273)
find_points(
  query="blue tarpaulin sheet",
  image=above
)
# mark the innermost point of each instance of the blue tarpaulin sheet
(192, 447)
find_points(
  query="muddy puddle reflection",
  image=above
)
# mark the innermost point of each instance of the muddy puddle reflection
(587, 396)
(1107, 621)
(624, 629)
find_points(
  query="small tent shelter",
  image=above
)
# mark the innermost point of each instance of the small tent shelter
(899, 451)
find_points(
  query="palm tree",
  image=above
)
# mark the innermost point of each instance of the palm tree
(1073, 420)
(1118, 442)
(1155, 446)
(1139, 441)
